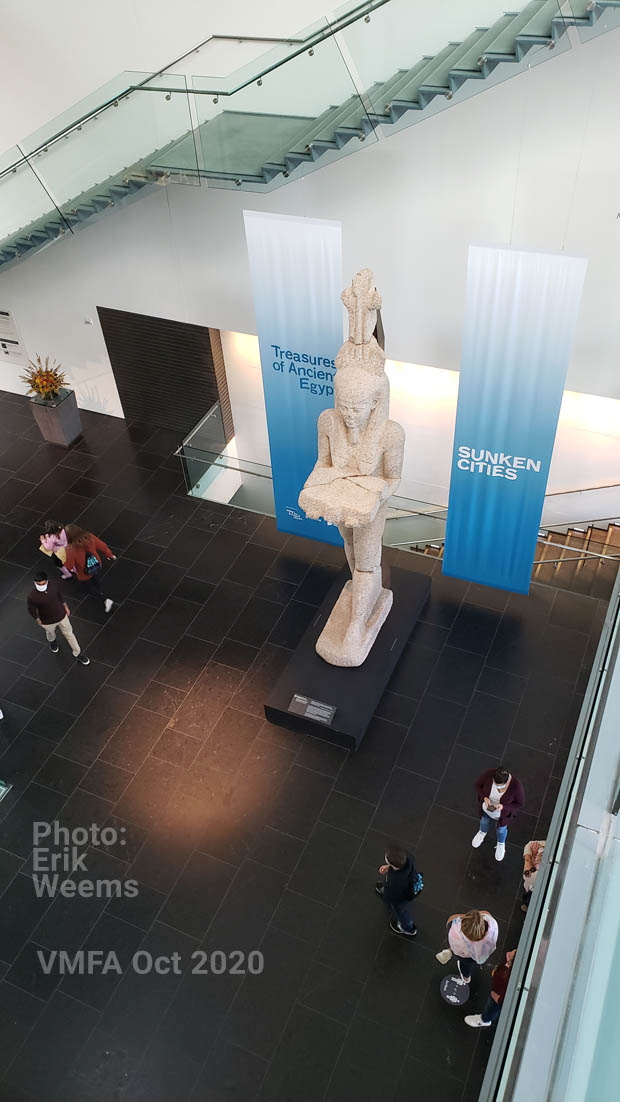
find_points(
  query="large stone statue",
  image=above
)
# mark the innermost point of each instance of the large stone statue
(358, 468)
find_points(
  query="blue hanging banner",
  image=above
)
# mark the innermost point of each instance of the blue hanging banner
(520, 318)
(296, 270)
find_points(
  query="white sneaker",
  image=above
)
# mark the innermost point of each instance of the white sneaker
(475, 1021)
(500, 850)
(107, 604)
(444, 956)
(479, 839)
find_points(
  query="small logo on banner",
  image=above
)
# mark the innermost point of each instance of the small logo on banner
(495, 464)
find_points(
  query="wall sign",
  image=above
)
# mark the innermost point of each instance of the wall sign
(11, 347)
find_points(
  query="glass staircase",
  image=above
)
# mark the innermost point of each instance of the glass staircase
(364, 74)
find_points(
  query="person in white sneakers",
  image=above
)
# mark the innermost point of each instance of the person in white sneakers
(472, 938)
(50, 611)
(85, 555)
(499, 983)
(500, 798)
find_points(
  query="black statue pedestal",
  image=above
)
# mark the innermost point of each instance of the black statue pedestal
(337, 703)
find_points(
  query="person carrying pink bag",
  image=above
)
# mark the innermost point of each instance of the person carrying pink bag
(54, 544)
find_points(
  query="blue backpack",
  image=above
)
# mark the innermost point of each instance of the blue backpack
(417, 884)
(92, 565)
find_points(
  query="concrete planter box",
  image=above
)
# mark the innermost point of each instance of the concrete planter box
(58, 420)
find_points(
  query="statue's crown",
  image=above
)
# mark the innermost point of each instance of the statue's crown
(361, 350)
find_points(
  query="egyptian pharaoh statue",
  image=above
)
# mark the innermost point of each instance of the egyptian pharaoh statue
(358, 468)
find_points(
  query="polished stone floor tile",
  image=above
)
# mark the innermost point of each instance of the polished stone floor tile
(277, 986)
(404, 805)
(348, 813)
(365, 775)
(488, 725)
(140, 666)
(230, 1073)
(158, 697)
(456, 674)
(193, 589)
(220, 611)
(431, 737)
(133, 738)
(197, 894)
(325, 863)
(304, 1061)
(413, 672)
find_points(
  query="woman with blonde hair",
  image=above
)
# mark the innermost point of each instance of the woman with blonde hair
(85, 554)
(472, 938)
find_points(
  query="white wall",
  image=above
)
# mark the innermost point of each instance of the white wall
(534, 162)
(423, 400)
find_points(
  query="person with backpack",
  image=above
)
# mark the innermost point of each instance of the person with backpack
(85, 554)
(402, 884)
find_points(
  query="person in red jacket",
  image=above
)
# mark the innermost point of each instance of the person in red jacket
(500, 797)
(85, 554)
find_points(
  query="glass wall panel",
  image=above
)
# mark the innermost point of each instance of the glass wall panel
(412, 59)
(113, 152)
(258, 128)
(28, 216)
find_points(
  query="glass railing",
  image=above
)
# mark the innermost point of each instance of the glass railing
(600, 18)
(556, 1039)
(214, 471)
(364, 73)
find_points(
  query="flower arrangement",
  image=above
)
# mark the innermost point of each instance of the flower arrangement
(44, 380)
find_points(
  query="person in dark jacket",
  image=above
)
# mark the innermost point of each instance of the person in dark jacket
(499, 984)
(397, 891)
(50, 611)
(85, 555)
(500, 797)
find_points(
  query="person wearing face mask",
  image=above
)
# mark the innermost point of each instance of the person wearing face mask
(50, 611)
(500, 798)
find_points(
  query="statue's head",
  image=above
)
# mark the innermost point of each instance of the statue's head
(356, 395)
(361, 398)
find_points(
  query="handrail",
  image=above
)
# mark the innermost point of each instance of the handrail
(317, 36)
(504, 1059)
(573, 558)
(586, 489)
(437, 540)
(572, 523)
(569, 547)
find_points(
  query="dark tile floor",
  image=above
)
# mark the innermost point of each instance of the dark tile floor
(244, 836)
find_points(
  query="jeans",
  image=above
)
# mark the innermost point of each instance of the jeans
(94, 584)
(485, 822)
(402, 916)
(491, 1011)
(465, 966)
(67, 631)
